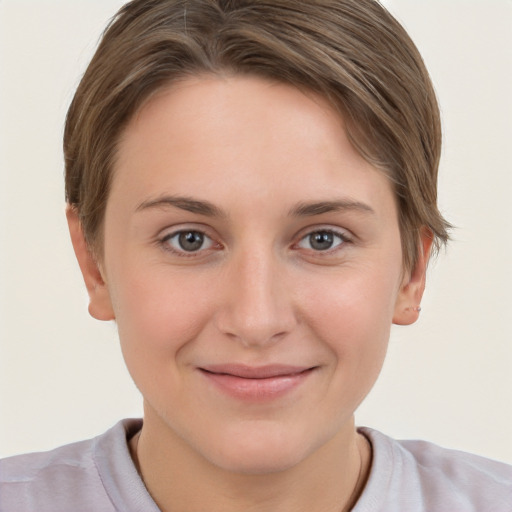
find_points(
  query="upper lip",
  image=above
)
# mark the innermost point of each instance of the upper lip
(255, 372)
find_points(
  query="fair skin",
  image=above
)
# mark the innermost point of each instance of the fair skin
(252, 261)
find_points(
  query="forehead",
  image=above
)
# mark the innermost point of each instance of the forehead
(257, 136)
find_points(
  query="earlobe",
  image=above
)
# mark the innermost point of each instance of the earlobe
(407, 307)
(100, 306)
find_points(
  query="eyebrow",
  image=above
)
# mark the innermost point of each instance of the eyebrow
(184, 203)
(317, 208)
(303, 209)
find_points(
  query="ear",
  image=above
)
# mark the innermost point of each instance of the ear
(100, 306)
(411, 290)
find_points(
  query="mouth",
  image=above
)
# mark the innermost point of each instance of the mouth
(256, 383)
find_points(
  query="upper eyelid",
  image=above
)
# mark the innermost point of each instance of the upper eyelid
(163, 242)
(344, 239)
(342, 232)
(169, 231)
(172, 234)
(346, 236)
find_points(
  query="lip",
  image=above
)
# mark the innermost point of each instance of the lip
(256, 383)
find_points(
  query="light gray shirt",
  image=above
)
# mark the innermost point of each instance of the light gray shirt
(99, 476)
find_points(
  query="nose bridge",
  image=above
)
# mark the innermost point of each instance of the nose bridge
(257, 309)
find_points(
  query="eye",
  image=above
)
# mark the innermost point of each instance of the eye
(189, 241)
(322, 240)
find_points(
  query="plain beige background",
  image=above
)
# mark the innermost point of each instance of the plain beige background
(447, 379)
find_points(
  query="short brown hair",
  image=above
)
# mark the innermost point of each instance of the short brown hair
(352, 52)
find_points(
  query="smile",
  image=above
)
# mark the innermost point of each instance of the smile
(256, 383)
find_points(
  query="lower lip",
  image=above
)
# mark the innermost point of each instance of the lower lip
(257, 389)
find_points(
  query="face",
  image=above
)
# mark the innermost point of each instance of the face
(252, 261)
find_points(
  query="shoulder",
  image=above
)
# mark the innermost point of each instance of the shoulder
(435, 479)
(66, 478)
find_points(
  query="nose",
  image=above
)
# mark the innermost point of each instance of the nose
(257, 309)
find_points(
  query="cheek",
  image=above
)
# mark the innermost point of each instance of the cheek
(354, 301)
(351, 313)
(157, 313)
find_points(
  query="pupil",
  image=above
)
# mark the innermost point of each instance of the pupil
(322, 240)
(191, 240)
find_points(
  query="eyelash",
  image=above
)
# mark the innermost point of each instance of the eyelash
(342, 236)
(164, 242)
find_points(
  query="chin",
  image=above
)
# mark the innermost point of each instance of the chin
(260, 450)
(257, 462)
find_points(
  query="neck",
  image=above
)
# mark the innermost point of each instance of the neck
(181, 480)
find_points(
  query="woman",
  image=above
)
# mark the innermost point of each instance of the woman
(251, 196)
